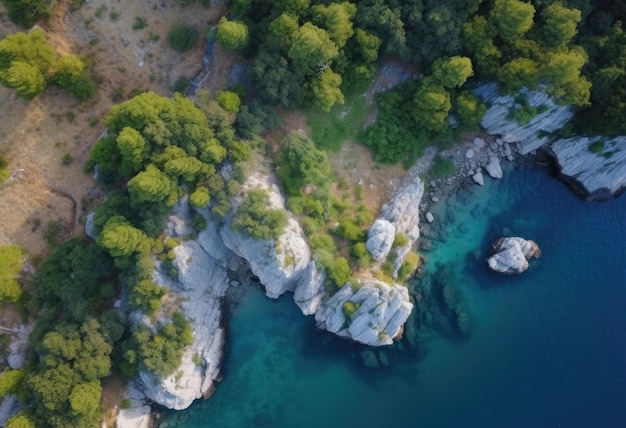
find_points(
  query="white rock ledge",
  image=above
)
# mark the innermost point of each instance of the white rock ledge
(599, 175)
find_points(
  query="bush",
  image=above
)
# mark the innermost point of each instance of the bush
(229, 101)
(254, 218)
(442, 168)
(596, 147)
(362, 256)
(400, 240)
(347, 229)
(339, 272)
(181, 85)
(411, 262)
(182, 38)
(350, 308)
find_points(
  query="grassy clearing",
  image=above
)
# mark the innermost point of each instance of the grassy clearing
(343, 122)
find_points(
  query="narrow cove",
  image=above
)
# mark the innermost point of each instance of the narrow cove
(546, 348)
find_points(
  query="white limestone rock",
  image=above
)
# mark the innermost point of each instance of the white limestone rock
(177, 223)
(202, 282)
(380, 237)
(139, 414)
(89, 226)
(529, 136)
(429, 217)
(598, 175)
(493, 168)
(402, 212)
(381, 311)
(511, 255)
(278, 264)
(18, 351)
(469, 154)
(479, 142)
(310, 291)
(478, 178)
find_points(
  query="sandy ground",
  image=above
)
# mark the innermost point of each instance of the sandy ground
(36, 135)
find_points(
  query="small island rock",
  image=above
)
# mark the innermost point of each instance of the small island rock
(511, 254)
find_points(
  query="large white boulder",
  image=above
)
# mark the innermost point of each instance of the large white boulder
(139, 413)
(493, 168)
(529, 136)
(279, 264)
(512, 254)
(599, 173)
(372, 313)
(402, 212)
(380, 237)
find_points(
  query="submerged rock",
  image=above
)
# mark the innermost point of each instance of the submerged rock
(371, 313)
(594, 166)
(529, 136)
(512, 254)
(478, 178)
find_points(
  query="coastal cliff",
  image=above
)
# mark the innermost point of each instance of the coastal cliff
(594, 166)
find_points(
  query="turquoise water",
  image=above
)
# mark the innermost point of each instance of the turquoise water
(546, 349)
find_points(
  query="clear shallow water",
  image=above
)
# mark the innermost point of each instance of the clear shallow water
(547, 348)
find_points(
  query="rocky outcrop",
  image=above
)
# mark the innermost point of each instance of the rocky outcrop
(202, 282)
(138, 414)
(372, 313)
(512, 254)
(310, 291)
(380, 237)
(529, 136)
(279, 264)
(493, 168)
(402, 213)
(9, 407)
(594, 166)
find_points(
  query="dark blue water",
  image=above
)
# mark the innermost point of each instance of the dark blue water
(547, 348)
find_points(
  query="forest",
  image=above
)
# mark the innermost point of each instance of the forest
(301, 54)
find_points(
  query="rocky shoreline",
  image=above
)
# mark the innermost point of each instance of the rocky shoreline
(600, 175)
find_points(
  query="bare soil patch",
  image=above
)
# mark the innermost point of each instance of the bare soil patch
(36, 135)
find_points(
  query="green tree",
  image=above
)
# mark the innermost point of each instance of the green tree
(231, 34)
(182, 38)
(25, 78)
(132, 146)
(85, 399)
(519, 73)
(120, 238)
(71, 74)
(431, 105)
(470, 109)
(146, 296)
(27, 12)
(312, 49)
(32, 48)
(10, 380)
(512, 18)
(152, 185)
(478, 39)
(283, 26)
(335, 18)
(559, 25)
(453, 72)
(21, 420)
(200, 197)
(325, 89)
(367, 45)
(339, 272)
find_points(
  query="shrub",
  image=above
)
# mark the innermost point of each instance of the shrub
(182, 38)
(411, 262)
(126, 403)
(254, 218)
(596, 147)
(442, 168)
(229, 101)
(339, 272)
(347, 229)
(67, 159)
(362, 256)
(139, 23)
(181, 84)
(400, 240)
(350, 308)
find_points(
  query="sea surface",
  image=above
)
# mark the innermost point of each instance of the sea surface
(546, 349)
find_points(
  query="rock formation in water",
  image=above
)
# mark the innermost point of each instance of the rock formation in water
(595, 166)
(372, 313)
(498, 119)
(282, 265)
(511, 254)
